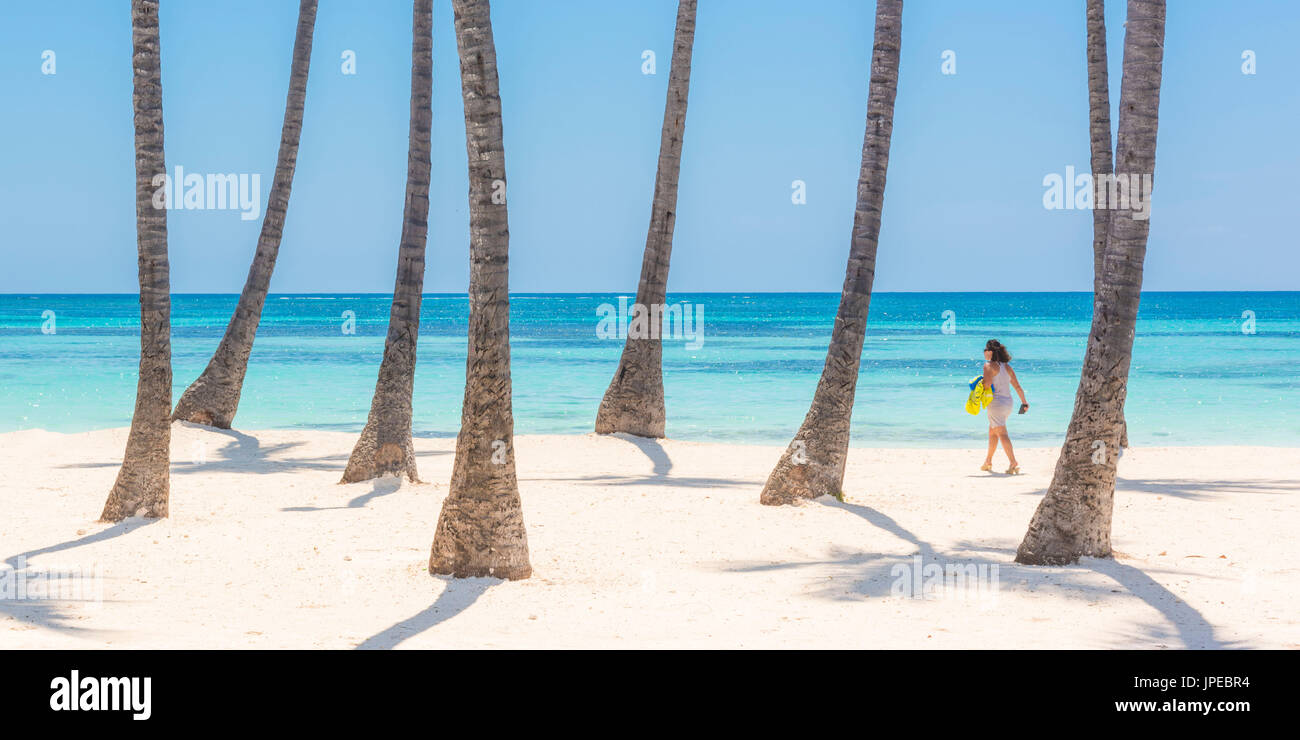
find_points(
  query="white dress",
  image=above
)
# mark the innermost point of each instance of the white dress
(1000, 409)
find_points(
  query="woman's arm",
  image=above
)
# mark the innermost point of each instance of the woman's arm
(1015, 383)
(988, 375)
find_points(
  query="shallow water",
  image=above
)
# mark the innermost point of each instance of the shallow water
(1197, 379)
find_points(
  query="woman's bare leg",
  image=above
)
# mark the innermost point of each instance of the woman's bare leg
(1006, 446)
(993, 447)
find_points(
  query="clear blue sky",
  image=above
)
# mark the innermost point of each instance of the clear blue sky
(778, 93)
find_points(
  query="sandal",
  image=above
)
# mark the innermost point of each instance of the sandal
(1013, 470)
(987, 467)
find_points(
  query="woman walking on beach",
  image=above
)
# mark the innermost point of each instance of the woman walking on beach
(999, 376)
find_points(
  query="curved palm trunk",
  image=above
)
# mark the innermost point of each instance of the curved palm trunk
(634, 401)
(213, 398)
(813, 465)
(385, 444)
(143, 482)
(1099, 139)
(481, 528)
(1074, 518)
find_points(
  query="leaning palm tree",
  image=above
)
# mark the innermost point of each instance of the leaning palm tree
(385, 444)
(143, 482)
(1074, 517)
(1099, 140)
(813, 465)
(214, 397)
(634, 401)
(481, 528)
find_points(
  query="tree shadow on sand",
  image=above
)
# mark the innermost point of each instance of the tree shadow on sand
(652, 449)
(669, 482)
(51, 613)
(1184, 623)
(1200, 490)
(458, 594)
(245, 453)
(876, 575)
(660, 474)
(388, 484)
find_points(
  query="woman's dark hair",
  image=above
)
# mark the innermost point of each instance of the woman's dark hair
(1000, 353)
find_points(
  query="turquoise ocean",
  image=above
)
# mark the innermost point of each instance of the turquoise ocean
(1208, 368)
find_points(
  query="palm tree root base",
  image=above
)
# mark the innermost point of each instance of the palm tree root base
(630, 412)
(629, 422)
(480, 539)
(136, 494)
(206, 404)
(792, 483)
(370, 459)
(634, 401)
(1049, 545)
(1058, 554)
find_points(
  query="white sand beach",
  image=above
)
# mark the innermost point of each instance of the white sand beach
(643, 544)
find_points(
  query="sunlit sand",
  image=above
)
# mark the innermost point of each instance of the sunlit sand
(643, 544)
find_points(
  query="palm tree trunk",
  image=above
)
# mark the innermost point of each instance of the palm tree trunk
(1074, 518)
(1099, 131)
(214, 397)
(385, 444)
(481, 528)
(813, 465)
(143, 482)
(1099, 139)
(634, 401)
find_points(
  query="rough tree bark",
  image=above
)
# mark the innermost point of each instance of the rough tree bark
(213, 398)
(1099, 139)
(813, 464)
(143, 482)
(385, 444)
(634, 401)
(1074, 517)
(481, 528)
(1099, 132)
